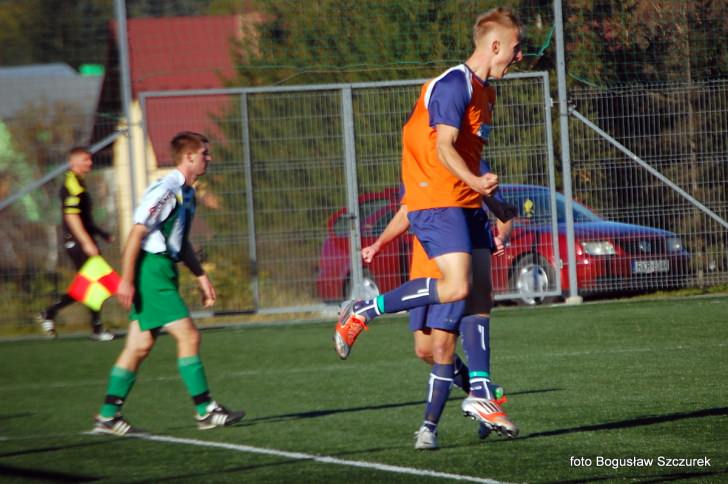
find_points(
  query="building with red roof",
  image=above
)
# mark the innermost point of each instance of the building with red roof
(169, 54)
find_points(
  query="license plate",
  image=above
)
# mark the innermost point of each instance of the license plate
(650, 266)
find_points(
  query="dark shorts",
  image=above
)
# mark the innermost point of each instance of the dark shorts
(451, 229)
(437, 316)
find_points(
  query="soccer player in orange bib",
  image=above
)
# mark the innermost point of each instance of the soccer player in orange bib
(436, 327)
(443, 140)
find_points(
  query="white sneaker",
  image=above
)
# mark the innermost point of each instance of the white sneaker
(102, 335)
(490, 414)
(47, 325)
(115, 425)
(426, 439)
(218, 416)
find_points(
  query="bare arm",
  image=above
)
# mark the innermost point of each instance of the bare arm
(397, 226)
(446, 136)
(75, 225)
(125, 292)
(503, 230)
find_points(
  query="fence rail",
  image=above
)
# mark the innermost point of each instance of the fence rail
(305, 175)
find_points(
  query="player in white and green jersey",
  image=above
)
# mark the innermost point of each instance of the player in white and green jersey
(150, 289)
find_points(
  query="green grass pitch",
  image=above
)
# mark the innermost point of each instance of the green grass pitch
(624, 380)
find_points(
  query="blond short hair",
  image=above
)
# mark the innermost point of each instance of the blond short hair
(492, 19)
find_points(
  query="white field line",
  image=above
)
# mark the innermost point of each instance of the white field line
(317, 458)
(336, 367)
(324, 459)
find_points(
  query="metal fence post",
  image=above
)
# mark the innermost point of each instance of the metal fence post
(573, 297)
(146, 140)
(547, 102)
(249, 203)
(350, 150)
(126, 99)
(352, 191)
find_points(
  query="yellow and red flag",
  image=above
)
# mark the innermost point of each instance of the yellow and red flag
(94, 283)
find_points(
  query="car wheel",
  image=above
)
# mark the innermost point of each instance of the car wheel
(532, 275)
(369, 287)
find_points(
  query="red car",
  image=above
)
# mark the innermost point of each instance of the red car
(610, 256)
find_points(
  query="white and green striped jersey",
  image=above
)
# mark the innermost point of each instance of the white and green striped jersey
(166, 210)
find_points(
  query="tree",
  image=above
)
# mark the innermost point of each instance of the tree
(32, 31)
(368, 40)
(43, 31)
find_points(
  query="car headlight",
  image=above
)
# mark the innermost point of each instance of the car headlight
(674, 244)
(598, 248)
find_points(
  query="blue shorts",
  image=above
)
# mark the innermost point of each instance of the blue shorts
(451, 229)
(437, 316)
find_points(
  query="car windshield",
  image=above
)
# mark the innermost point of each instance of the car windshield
(534, 206)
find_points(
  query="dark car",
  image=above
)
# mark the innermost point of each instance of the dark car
(610, 256)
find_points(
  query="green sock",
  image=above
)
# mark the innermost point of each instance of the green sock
(193, 374)
(120, 382)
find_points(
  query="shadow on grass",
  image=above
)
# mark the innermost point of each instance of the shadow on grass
(208, 474)
(366, 408)
(679, 477)
(249, 422)
(16, 415)
(647, 479)
(43, 475)
(42, 450)
(47, 476)
(634, 422)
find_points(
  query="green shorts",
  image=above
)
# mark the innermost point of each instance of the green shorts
(156, 300)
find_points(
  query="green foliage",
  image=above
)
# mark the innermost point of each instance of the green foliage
(39, 136)
(43, 31)
(370, 40)
(630, 41)
(155, 8)
(34, 31)
(673, 127)
(296, 141)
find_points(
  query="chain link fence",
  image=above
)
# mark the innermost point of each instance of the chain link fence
(305, 176)
(680, 131)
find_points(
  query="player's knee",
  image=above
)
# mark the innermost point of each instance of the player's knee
(193, 338)
(425, 354)
(140, 348)
(443, 352)
(453, 291)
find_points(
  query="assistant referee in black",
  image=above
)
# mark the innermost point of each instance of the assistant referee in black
(79, 232)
